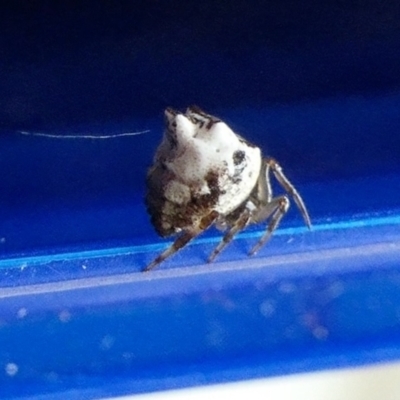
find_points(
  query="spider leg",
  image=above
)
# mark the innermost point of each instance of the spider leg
(290, 189)
(239, 224)
(277, 209)
(183, 239)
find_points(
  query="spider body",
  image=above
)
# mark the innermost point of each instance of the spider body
(204, 174)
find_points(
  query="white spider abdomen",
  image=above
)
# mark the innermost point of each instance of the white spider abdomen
(200, 166)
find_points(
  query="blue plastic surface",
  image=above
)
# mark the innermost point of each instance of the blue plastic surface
(315, 86)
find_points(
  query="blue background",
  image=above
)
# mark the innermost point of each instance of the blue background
(314, 84)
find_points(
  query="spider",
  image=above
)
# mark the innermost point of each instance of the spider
(204, 174)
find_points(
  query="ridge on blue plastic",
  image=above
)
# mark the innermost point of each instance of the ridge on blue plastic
(330, 301)
(151, 248)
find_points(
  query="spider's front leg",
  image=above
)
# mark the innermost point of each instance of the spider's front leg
(272, 164)
(183, 239)
(240, 223)
(274, 207)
